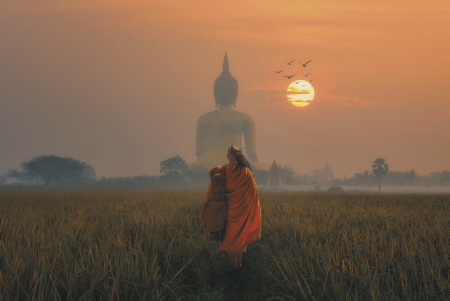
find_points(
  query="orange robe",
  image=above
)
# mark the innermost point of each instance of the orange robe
(243, 224)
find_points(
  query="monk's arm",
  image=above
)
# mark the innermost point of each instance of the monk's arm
(250, 139)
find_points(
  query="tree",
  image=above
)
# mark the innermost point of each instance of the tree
(363, 178)
(12, 173)
(174, 168)
(380, 168)
(88, 173)
(444, 178)
(57, 170)
(288, 175)
(3, 179)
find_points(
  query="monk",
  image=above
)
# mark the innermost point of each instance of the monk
(243, 212)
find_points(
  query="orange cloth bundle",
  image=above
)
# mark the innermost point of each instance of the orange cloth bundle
(243, 209)
(214, 211)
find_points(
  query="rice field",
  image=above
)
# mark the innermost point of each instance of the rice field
(150, 246)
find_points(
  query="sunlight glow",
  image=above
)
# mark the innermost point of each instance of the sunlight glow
(304, 93)
(298, 100)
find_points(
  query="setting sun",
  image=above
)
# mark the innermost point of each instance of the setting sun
(303, 93)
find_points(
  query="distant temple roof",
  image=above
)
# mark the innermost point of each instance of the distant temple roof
(274, 169)
(327, 168)
(274, 176)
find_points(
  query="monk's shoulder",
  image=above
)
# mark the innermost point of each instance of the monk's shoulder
(236, 168)
(230, 166)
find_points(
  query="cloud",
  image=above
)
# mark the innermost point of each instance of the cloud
(341, 100)
(270, 95)
(261, 89)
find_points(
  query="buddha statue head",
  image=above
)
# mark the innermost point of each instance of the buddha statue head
(225, 86)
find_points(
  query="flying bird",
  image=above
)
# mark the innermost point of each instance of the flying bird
(289, 76)
(306, 75)
(311, 80)
(279, 71)
(289, 63)
(304, 65)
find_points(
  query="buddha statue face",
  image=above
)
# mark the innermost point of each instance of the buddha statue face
(225, 86)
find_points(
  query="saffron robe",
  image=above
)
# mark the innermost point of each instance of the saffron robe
(243, 225)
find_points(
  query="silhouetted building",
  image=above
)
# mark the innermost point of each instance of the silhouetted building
(327, 173)
(324, 176)
(274, 177)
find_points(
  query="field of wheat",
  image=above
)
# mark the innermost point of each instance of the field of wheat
(149, 246)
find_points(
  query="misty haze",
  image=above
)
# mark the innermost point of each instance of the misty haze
(224, 150)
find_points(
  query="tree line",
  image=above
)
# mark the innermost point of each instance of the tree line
(54, 171)
(378, 176)
(50, 170)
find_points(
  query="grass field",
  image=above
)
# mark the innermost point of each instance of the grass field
(149, 246)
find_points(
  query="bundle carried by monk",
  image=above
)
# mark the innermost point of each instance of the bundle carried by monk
(214, 211)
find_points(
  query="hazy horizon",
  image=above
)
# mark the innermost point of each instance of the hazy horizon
(120, 84)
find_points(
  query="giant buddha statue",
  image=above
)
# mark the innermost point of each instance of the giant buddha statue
(218, 129)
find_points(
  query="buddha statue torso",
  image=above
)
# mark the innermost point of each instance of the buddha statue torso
(218, 129)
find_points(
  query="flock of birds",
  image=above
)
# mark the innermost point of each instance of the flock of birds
(290, 64)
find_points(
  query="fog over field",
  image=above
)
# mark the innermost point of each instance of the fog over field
(386, 189)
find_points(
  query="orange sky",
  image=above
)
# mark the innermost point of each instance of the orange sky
(120, 84)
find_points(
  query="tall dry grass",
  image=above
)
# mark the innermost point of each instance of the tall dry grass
(149, 246)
